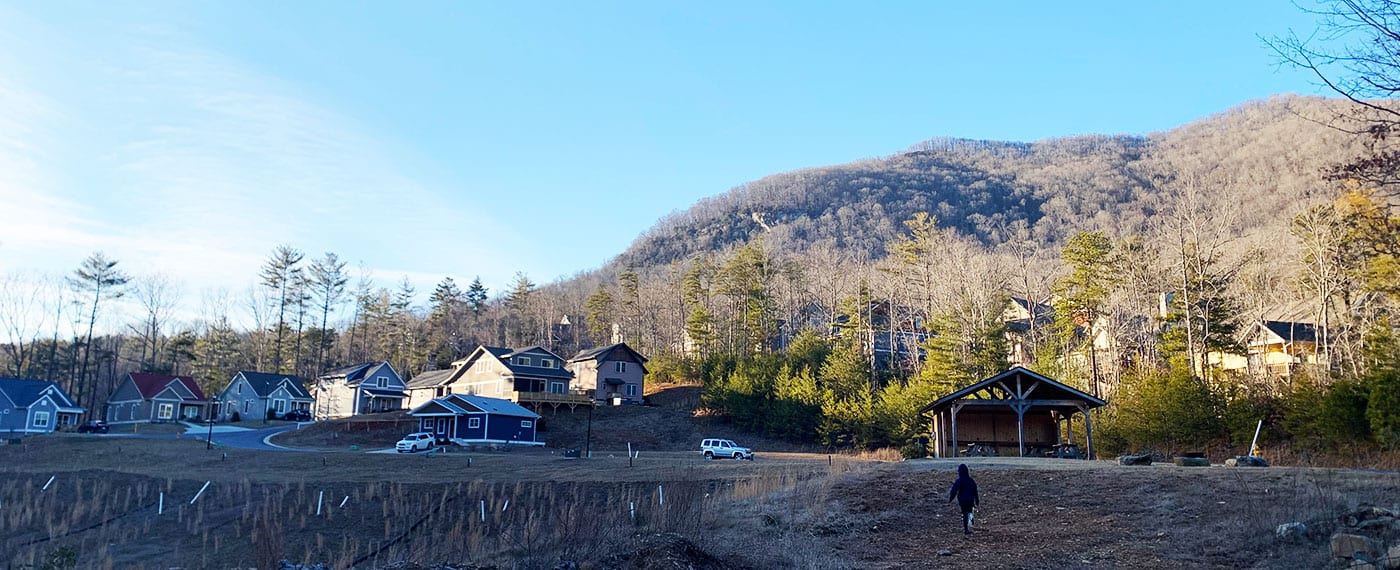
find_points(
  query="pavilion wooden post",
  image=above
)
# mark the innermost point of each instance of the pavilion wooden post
(937, 437)
(1088, 432)
(1059, 419)
(1020, 426)
(953, 419)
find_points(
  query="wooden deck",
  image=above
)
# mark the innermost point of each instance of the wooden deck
(567, 398)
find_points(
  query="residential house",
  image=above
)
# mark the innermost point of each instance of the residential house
(1026, 323)
(531, 376)
(368, 388)
(613, 371)
(467, 419)
(35, 406)
(259, 396)
(145, 398)
(890, 334)
(1274, 349)
(426, 386)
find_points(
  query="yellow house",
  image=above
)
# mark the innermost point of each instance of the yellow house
(1275, 349)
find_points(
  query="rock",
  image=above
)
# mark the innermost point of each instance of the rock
(1137, 459)
(1383, 522)
(1191, 462)
(1345, 545)
(1246, 461)
(1363, 514)
(1392, 558)
(1289, 531)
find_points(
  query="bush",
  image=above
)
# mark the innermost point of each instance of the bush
(1383, 407)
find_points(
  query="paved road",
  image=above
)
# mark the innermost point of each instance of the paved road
(233, 438)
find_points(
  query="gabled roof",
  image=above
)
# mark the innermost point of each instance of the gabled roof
(606, 353)
(1291, 331)
(24, 392)
(151, 384)
(432, 378)
(350, 373)
(472, 403)
(1035, 386)
(265, 384)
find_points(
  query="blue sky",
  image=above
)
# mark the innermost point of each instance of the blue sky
(435, 139)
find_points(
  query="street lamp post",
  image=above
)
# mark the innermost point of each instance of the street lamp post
(209, 441)
(588, 443)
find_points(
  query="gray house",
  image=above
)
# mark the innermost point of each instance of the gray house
(34, 406)
(613, 371)
(368, 388)
(258, 396)
(155, 398)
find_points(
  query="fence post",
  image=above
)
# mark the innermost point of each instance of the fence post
(160, 504)
(319, 496)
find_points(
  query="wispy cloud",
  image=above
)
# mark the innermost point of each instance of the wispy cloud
(175, 158)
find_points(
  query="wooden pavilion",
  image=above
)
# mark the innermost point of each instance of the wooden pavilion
(1017, 410)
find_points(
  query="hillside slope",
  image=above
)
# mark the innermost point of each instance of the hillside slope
(1262, 155)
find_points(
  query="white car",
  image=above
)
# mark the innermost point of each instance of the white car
(712, 448)
(415, 442)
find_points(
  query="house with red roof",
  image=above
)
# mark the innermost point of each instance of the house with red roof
(143, 397)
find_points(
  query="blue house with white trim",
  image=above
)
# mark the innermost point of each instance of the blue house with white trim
(466, 419)
(35, 406)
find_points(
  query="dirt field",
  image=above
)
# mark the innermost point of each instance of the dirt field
(530, 509)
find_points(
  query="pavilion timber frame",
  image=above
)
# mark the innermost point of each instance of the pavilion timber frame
(1018, 390)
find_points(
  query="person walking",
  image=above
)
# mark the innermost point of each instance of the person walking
(965, 491)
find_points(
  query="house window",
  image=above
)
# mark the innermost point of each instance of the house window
(631, 390)
(240, 389)
(247, 407)
(522, 360)
(556, 387)
(382, 381)
(280, 405)
(500, 388)
(165, 412)
(621, 367)
(547, 363)
(526, 423)
(474, 423)
(41, 419)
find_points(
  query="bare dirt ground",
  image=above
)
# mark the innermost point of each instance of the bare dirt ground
(669, 509)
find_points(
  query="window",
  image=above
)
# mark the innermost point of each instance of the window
(522, 360)
(500, 388)
(547, 363)
(382, 381)
(240, 388)
(556, 387)
(280, 406)
(41, 419)
(631, 390)
(165, 411)
(474, 423)
(621, 367)
(247, 407)
(526, 423)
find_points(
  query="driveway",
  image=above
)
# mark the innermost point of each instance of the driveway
(224, 435)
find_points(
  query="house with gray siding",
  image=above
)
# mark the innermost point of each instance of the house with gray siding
(369, 388)
(34, 406)
(531, 376)
(155, 398)
(259, 396)
(613, 371)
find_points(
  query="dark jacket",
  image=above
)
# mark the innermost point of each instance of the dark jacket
(965, 489)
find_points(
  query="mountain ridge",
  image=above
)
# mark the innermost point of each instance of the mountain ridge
(1263, 154)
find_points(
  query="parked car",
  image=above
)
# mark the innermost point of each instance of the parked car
(93, 426)
(412, 442)
(297, 416)
(712, 448)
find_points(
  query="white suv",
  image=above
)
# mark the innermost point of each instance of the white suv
(712, 448)
(414, 442)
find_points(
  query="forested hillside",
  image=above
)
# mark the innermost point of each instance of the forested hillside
(1263, 156)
